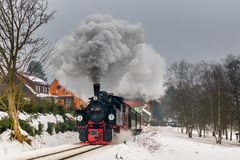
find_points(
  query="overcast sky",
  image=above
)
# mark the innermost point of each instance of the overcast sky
(178, 29)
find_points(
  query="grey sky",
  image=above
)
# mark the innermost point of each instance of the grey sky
(177, 29)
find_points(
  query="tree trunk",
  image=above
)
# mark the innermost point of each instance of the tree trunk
(231, 130)
(181, 130)
(190, 132)
(239, 132)
(238, 115)
(226, 134)
(200, 132)
(219, 138)
(13, 113)
(204, 132)
(212, 117)
(214, 132)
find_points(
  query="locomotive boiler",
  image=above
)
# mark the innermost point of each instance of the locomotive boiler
(105, 115)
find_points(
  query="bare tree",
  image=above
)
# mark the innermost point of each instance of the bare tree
(201, 97)
(19, 43)
(232, 64)
(216, 87)
(201, 109)
(183, 79)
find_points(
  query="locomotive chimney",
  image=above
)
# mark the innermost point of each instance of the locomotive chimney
(96, 87)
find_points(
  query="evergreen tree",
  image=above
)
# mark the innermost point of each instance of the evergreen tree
(35, 68)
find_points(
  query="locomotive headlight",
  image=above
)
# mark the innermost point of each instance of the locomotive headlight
(111, 117)
(80, 118)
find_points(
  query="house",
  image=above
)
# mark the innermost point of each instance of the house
(34, 87)
(142, 108)
(30, 86)
(64, 96)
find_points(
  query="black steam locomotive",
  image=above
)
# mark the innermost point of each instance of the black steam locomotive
(105, 115)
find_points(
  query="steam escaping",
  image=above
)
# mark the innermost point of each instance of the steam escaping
(112, 52)
(123, 136)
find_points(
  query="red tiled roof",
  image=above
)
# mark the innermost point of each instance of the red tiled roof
(135, 103)
(57, 89)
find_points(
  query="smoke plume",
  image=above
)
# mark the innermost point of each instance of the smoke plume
(111, 52)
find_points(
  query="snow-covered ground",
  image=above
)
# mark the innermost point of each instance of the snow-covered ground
(8, 147)
(166, 143)
(156, 143)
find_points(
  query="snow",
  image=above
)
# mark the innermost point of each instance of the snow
(13, 149)
(43, 95)
(39, 118)
(59, 118)
(45, 118)
(166, 143)
(144, 110)
(3, 115)
(30, 88)
(70, 116)
(40, 95)
(35, 79)
(8, 148)
(23, 116)
(155, 143)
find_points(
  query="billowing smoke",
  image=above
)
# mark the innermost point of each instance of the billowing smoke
(111, 52)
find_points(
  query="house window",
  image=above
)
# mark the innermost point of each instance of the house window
(38, 89)
(68, 101)
(45, 89)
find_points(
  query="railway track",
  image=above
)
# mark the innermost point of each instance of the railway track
(67, 153)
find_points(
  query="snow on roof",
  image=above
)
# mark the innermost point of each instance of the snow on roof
(30, 88)
(144, 110)
(35, 79)
(40, 95)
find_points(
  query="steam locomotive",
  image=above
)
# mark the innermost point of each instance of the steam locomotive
(105, 115)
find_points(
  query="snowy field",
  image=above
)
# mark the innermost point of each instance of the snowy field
(156, 143)
(165, 143)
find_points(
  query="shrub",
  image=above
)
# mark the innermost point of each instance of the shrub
(40, 129)
(68, 125)
(50, 128)
(61, 111)
(44, 106)
(5, 124)
(28, 128)
(57, 128)
(61, 127)
(71, 125)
